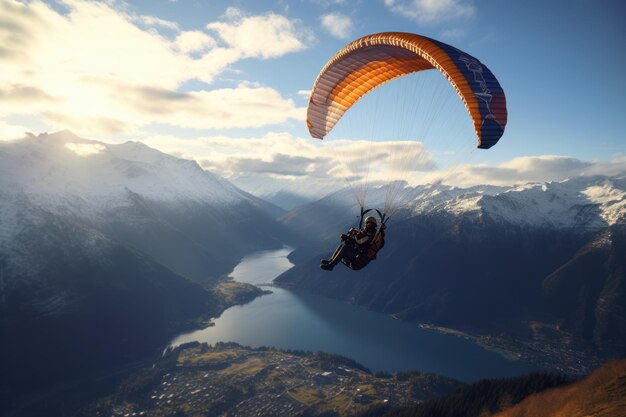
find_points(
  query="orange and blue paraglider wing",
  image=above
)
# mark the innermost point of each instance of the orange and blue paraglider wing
(373, 60)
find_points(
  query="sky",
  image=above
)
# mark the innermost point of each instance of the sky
(227, 83)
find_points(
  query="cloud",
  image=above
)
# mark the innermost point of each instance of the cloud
(528, 169)
(337, 24)
(546, 164)
(278, 160)
(155, 21)
(9, 132)
(266, 164)
(267, 36)
(241, 107)
(15, 93)
(275, 154)
(97, 69)
(328, 3)
(281, 165)
(194, 41)
(432, 11)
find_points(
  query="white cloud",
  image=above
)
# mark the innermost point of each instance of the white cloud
(94, 70)
(155, 21)
(432, 11)
(267, 36)
(233, 13)
(281, 161)
(9, 132)
(194, 41)
(540, 165)
(328, 3)
(527, 169)
(337, 24)
(243, 106)
(278, 160)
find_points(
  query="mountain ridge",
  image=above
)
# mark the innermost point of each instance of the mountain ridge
(100, 183)
(477, 260)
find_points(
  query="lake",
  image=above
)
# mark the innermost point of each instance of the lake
(289, 319)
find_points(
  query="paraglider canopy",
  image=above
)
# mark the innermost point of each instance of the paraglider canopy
(373, 60)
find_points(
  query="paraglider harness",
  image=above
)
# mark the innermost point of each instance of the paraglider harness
(366, 254)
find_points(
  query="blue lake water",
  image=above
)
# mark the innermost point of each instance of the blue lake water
(289, 319)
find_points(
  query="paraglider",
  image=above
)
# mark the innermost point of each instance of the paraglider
(358, 247)
(371, 61)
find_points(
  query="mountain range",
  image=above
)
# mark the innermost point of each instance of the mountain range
(108, 250)
(539, 262)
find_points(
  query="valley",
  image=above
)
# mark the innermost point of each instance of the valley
(105, 257)
(314, 208)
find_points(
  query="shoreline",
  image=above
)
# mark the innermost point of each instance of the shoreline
(537, 353)
(550, 355)
(479, 340)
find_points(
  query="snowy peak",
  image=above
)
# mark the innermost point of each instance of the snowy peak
(57, 188)
(451, 199)
(610, 196)
(62, 174)
(54, 169)
(588, 203)
(584, 202)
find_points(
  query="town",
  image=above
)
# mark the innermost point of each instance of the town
(549, 351)
(231, 380)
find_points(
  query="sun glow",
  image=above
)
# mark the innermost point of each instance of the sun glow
(85, 149)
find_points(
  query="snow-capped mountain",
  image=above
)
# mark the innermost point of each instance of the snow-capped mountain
(167, 207)
(575, 203)
(66, 174)
(484, 258)
(580, 204)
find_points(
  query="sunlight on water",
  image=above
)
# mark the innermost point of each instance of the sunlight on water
(262, 267)
(298, 320)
